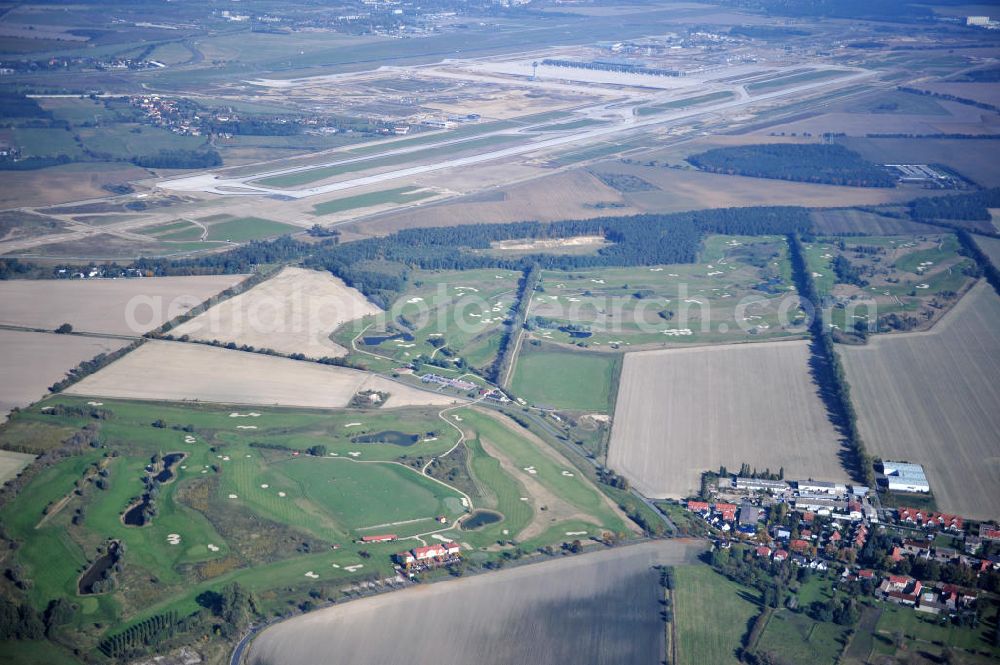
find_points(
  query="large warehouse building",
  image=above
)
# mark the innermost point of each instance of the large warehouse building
(905, 477)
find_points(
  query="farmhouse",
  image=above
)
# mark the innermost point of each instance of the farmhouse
(905, 477)
(429, 555)
(901, 589)
(383, 538)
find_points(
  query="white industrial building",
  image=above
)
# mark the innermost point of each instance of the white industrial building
(905, 477)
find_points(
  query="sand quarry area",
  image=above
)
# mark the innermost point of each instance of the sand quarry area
(176, 371)
(30, 362)
(293, 312)
(932, 398)
(602, 607)
(682, 412)
(106, 306)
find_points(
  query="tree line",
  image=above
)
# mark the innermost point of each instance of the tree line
(972, 206)
(505, 355)
(827, 370)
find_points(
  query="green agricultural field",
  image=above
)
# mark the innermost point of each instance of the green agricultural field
(248, 228)
(734, 293)
(795, 638)
(397, 195)
(554, 378)
(711, 615)
(126, 140)
(924, 633)
(45, 142)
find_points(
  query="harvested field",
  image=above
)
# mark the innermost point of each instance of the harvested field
(107, 306)
(31, 362)
(60, 184)
(973, 158)
(990, 247)
(681, 412)
(193, 372)
(572, 195)
(931, 398)
(985, 94)
(11, 464)
(691, 190)
(596, 608)
(293, 312)
(847, 220)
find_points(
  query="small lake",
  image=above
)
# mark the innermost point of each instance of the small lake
(375, 340)
(169, 460)
(97, 569)
(389, 436)
(134, 516)
(578, 334)
(480, 518)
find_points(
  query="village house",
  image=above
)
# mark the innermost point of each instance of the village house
(928, 519)
(901, 589)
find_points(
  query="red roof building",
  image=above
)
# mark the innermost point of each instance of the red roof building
(435, 551)
(780, 555)
(384, 538)
(763, 550)
(697, 506)
(799, 545)
(727, 510)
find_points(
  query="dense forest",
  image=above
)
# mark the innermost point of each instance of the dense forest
(379, 267)
(179, 159)
(973, 206)
(811, 162)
